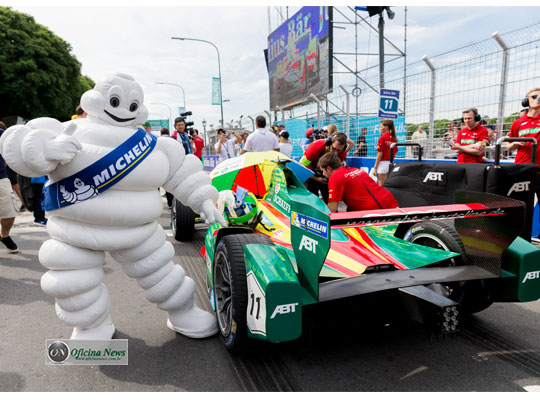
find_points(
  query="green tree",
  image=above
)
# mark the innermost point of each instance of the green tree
(38, 74)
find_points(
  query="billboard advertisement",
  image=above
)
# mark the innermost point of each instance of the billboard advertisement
(300, 57)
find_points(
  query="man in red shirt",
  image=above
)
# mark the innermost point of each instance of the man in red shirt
(339, 144)
(528, 126)
(471, 141)
(198, 142)
(353, 186)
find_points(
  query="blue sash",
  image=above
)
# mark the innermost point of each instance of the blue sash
(101, 175)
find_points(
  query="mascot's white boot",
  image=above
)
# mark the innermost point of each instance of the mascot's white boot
(85, 220)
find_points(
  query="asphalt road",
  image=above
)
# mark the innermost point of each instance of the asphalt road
(497, 350)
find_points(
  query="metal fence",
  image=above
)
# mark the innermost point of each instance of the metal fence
(492, 75)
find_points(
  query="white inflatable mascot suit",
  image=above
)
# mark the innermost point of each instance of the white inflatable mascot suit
(122, 220)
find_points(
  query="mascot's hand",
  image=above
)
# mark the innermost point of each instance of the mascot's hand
(64, 147)
(210, 213)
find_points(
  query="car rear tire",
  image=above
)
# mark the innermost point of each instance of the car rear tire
(182, 221)
(230, 288)
(439, 235)
(471, 295)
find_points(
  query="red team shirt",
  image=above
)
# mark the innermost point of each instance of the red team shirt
(384, 143)
(349, 185)
(467, 137)
(526, 127)
(316, 150)
(199, 145)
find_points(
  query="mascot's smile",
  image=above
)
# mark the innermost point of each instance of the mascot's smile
(118, 119)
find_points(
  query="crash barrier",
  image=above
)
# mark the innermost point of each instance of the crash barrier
(431, 183)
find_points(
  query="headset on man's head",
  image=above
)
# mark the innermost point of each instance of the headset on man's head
(329, 140)
(477, 117)
(525, 102)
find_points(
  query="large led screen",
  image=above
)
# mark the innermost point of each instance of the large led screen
(300, 57)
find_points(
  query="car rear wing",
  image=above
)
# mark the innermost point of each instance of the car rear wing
(486, 223)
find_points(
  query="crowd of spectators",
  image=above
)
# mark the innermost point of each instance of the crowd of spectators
(324, 152)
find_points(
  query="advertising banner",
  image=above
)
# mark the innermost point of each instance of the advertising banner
(216, 92)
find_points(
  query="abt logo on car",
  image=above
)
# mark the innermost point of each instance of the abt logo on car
(531, 275)
(284, 309)
(434, 177)
(519, 187)
(308, 244)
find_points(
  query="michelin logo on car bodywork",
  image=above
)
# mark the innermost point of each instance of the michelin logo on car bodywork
(309, 224)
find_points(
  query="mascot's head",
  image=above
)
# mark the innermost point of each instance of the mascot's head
(117, 99)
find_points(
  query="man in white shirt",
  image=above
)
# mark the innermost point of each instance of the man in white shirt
(284, 146)
(261, 139)
(419, 137)
(225, 148)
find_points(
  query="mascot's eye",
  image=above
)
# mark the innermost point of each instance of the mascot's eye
(115, 101)
(133, 107)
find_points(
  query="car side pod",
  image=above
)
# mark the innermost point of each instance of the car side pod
(274, 310)
(520, 276)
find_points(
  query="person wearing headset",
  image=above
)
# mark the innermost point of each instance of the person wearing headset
(353, 186)
(472, 140)
(528, 126)
(339, 144)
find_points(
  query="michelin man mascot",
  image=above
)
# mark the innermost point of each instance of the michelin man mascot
(102, 196)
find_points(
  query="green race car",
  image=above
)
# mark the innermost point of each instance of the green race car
(283, 250)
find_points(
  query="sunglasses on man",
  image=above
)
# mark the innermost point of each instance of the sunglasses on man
(332, 148)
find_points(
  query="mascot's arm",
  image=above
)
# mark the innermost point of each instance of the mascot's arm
(188, 182)
(35, 149)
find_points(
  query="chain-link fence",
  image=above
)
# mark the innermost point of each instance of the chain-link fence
(492, 75)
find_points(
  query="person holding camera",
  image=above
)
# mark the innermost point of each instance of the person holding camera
(181, 135)
(225, 146)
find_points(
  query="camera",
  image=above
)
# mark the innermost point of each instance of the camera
(186, 114)
(318, 134)
(190, 123)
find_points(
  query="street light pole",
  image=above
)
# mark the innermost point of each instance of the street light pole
(204, 129)
(174, 84)
(219, 70)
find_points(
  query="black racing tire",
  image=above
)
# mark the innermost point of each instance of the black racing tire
(439, 235)
(182, 221)
(471, 295)
(230, 289)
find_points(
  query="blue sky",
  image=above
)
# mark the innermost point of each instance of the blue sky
(136, 39)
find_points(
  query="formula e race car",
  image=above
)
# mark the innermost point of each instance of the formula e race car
(284, 250)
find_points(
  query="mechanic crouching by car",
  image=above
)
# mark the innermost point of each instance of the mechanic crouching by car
(338, 144)
(353, 186)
